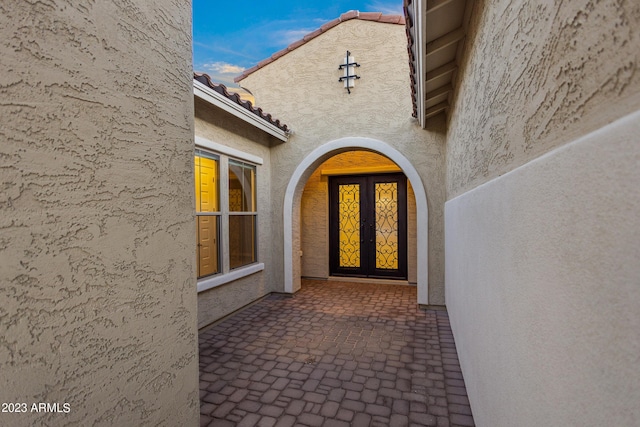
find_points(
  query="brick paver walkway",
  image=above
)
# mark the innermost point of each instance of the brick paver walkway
(335, 354)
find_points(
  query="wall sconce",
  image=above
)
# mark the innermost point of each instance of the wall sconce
(349, 78)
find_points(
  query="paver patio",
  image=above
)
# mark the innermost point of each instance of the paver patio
(334, 354)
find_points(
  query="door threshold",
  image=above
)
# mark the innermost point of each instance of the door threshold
(369, 280)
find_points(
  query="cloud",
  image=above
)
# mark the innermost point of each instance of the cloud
(386, 7)
(223, 68)
(286, 37)
(217, 46)
(220, 72)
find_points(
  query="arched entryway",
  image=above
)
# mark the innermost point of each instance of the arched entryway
(294, 193)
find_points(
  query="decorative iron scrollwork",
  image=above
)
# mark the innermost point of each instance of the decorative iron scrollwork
(349, 226)
(386, 199)
(348, 78)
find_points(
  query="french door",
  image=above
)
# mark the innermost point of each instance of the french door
(368, 226)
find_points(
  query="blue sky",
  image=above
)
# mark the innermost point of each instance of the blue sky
(231, 35)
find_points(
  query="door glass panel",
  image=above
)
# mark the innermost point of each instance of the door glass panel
(349, 225)
(207, 245)
(207, 202)
(386, 202)
(206, 184)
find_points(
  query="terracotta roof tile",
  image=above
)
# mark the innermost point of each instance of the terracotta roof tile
(222, 90)
(330, 24)
(352, 14)
(264, 62)
(295, 45)
(392, 19)
(251, 70)
(278, 54)
(407, 17)
(349, 15)
(312, 35)
(412, 59)
(370, 16)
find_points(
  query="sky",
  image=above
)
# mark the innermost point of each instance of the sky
(231, 35)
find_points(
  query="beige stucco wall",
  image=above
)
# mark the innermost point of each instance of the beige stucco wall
(536, 76)
(302, 89)
(541, 221)
(543, 286)
(96, 220)
(222, 128)
(314, 228)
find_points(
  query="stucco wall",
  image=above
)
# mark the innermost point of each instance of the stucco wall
(220, 127)
(542, 232)
(537, 75)
(543, 286)
(314, 228)
(96, 213)
(302, 89)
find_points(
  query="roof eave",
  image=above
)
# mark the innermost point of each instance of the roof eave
(418, 32)
(434, 64)
(214, 98)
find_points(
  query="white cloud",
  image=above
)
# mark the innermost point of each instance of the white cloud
(386, 7)
(287, 37)
(223, 68)
(220, 72)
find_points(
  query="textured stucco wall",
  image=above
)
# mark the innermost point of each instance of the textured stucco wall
(318, 109)
(542, 249)
(314, 221)
(537, 75)
(96, 213)
(223, 128)
(543, 286)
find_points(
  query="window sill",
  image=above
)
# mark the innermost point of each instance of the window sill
(221, 279)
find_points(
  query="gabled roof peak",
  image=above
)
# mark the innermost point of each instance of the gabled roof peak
(352, 14)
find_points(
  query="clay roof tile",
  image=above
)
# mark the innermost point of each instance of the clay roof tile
(296, 44)
(392, 19)
(279, 53)
(222, 90)
(330, 24)
(352, 14)
(370, 16)
(312, 35)
(264, 62)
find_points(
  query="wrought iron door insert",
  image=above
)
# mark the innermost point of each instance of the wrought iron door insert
(368, 226)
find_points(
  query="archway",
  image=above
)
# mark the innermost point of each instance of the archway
(294, 192)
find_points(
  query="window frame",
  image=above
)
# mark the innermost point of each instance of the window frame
(224, 154)
(216, 214)
(250, 211)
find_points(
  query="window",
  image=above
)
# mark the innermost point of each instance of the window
(214, 214)
(207, 213)
(242, 214)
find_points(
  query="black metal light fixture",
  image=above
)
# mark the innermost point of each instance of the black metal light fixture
(349, 77)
